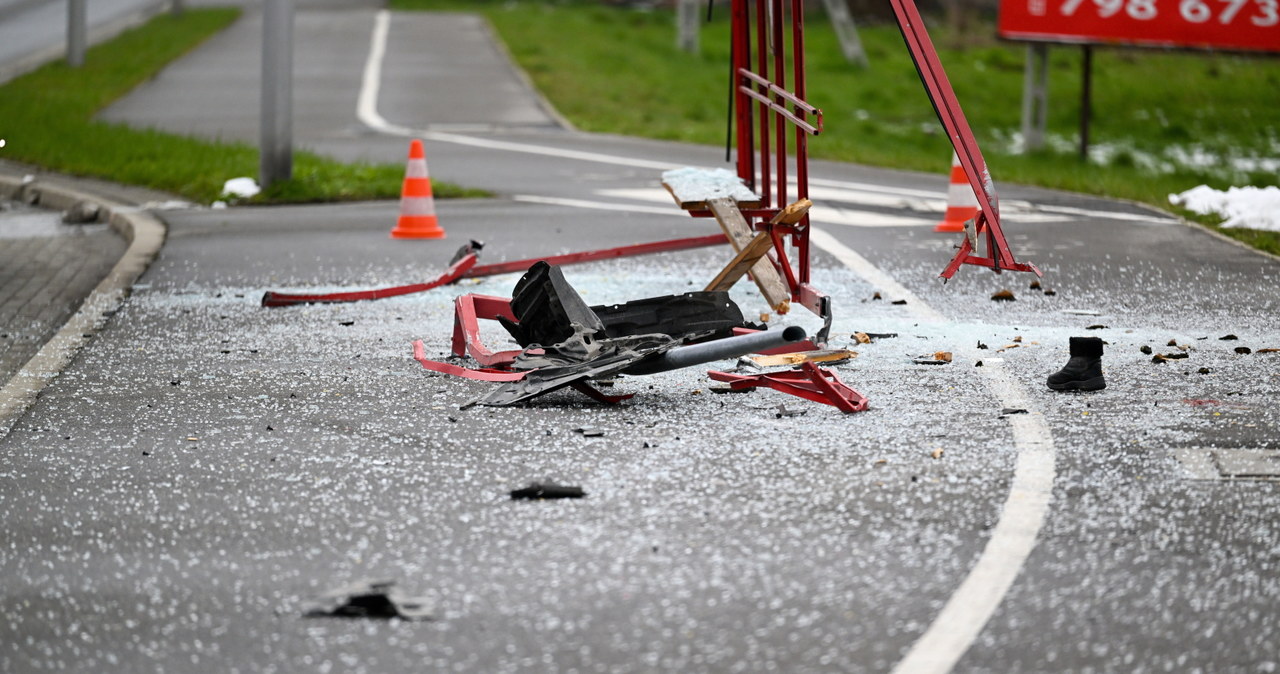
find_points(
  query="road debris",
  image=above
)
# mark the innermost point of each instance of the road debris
(547, 491)
(377, 599)
(937, 453)
(588, 432)
(820, 356)
(1004, 295)
(1243, 350)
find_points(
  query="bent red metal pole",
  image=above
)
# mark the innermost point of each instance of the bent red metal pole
(936, 84)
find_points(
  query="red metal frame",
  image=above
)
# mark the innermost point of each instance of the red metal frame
(808, 381)
(765, 110)
(934, 77)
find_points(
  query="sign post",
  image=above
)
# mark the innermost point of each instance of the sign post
(1232, 25)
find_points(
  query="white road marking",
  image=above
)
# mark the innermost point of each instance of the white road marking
(956, 627)
(973, 603)
(601, 205)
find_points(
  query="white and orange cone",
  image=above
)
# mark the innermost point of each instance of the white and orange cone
(962, 203)
(417, 206)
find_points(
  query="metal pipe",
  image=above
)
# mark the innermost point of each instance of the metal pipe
(719, 349)
(276, 120)
(77, 32)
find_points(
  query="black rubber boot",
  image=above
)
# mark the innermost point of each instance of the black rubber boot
(1084, 371)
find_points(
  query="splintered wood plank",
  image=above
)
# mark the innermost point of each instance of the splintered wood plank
(740, 237)
(792, 214)
(693, 188)
(744, 260)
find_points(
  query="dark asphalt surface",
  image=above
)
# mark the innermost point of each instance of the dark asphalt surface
(207, 465)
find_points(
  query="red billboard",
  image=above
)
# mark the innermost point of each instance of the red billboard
(1251, 25)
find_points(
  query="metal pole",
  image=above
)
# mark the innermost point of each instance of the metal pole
(77, 30)
(687, 26)
(1035, 96)
(175, 7)
(1086, 100)
(276, 124)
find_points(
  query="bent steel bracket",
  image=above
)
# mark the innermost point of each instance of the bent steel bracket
(809, 382)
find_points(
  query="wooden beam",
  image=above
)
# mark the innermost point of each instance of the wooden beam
(744, 260)
(740, 237)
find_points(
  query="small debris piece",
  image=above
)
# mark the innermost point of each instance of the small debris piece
(1228, 338)
(784, 412)
(346, 323)
(1035, 285)
(898, 302)
(1204, 370)
(936, 454)
(1082, 312)
(881, 335)
(1172, 342)
(1145, 349)
(1012, 410)
(377, 599)
(1243, 350)
(862, 337)
(1005, 295)
(728, 389)
(547, 491)
(942, 355)
(82, 213)
(1268, 350)
(1049, 292)
(978, 364)
(932, 360)
(588, 432)
(1017, 339)
(1096, 326)
(981, 345)
(876, 296)
(821, 356)
(764, 317)
(1162, 357)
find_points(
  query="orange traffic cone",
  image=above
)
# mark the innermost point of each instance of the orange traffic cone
(962, 204)
(417, 207)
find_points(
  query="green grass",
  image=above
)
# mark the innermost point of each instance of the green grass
(46, 118)
(621, 73)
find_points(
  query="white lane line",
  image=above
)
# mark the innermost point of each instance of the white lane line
(600, 205)
(958, 625)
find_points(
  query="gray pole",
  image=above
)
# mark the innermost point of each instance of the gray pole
(76, 32)
(687, 26)
(1035, 96)
(175, 7)
(276, 124)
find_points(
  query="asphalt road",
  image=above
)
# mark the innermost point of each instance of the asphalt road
(207, 465)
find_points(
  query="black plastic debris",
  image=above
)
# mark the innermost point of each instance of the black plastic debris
(1096, 326)
(588, 432)
(1243, 350)
(1145, 349)
(1228, 338)
(1012, 410)
(374, 600)
(547, 491)
(1004, 295)
(898, 302)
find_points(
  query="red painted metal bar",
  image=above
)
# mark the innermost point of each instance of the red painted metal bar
(741, 61)
(670, 245)
(467, 312)
(466, 268)
(953, 120)
(420, 355)
(765, 187)
(456, 271)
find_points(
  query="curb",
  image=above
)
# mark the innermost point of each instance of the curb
(145, 235)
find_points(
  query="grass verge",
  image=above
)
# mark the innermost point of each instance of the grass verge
(1164, 122)
(46, 118)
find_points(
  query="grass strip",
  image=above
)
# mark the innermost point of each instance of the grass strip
(621, 73)
(46, 118)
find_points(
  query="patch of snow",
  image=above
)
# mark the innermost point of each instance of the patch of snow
(240, 187)
(1252, 207)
